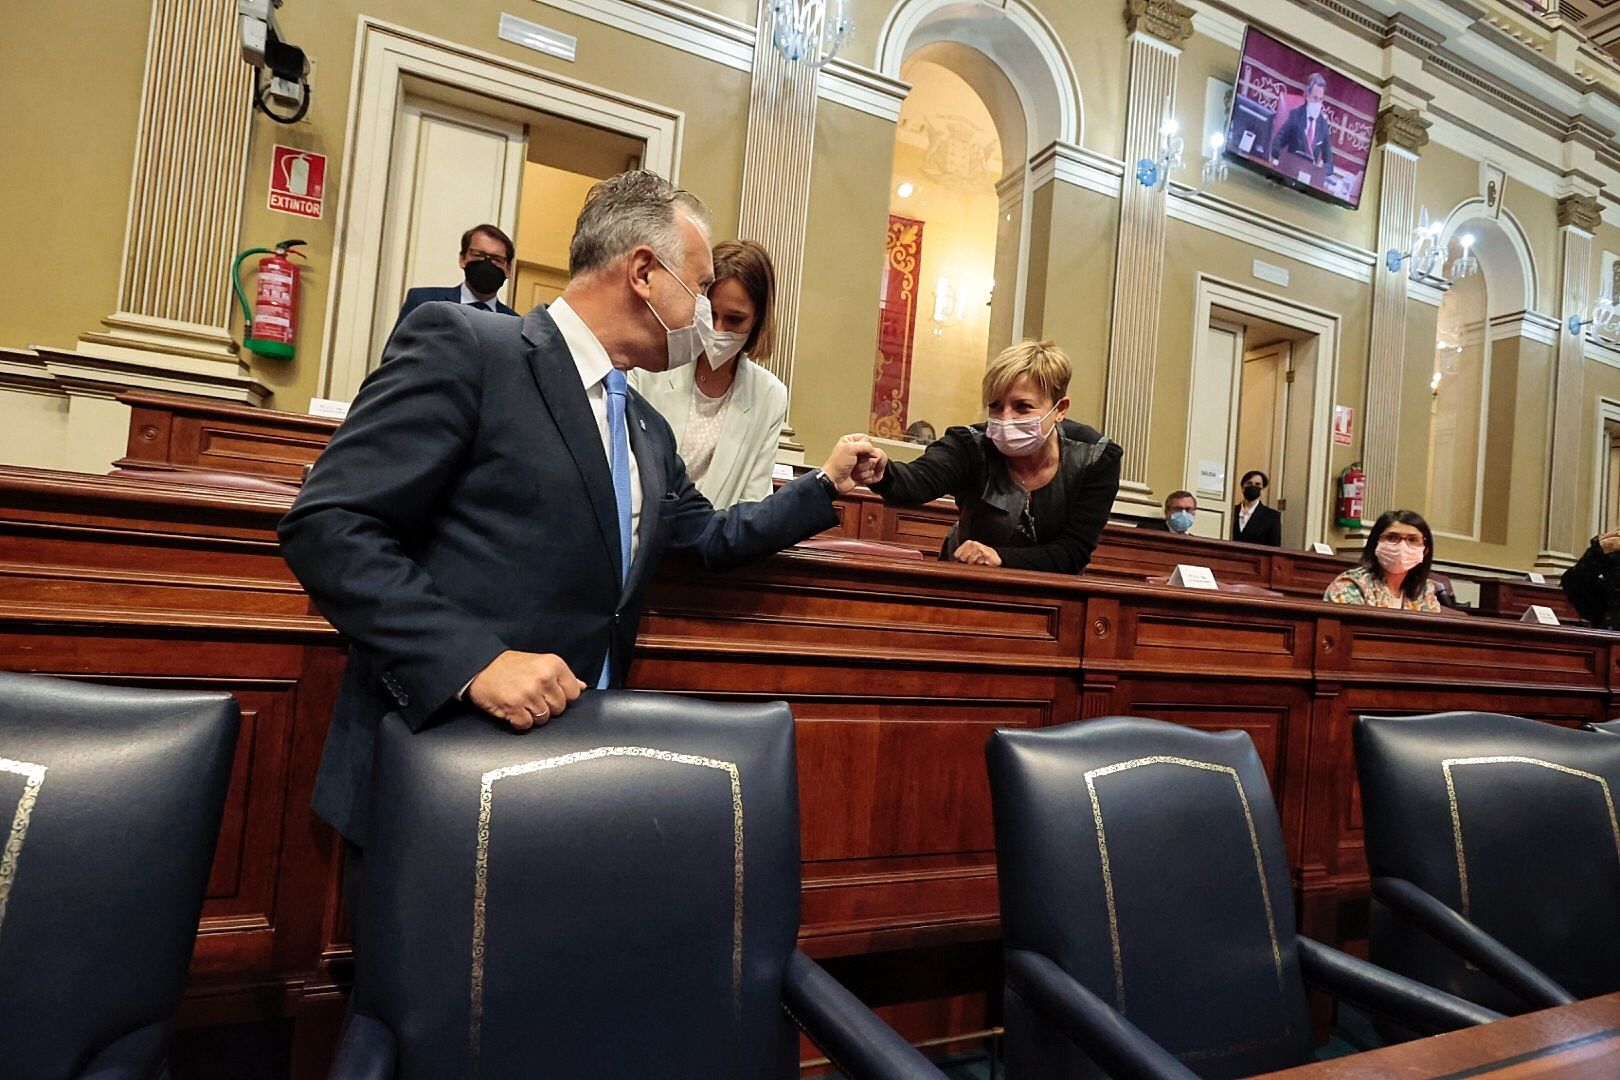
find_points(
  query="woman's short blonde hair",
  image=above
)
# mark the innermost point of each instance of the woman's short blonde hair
(1046, 365)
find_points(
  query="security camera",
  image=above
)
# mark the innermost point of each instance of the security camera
(264, 48)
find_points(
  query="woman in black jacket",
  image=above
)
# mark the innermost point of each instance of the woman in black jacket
(1033, 491)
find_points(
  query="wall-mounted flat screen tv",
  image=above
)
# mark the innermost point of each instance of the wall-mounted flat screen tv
(1297, 120)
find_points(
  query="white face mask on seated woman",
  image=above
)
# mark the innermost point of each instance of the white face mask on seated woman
(1022, 437)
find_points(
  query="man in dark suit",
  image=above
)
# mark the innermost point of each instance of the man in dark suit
(1253, 522)
(484, 524)
(486, 259)
(1306, 131)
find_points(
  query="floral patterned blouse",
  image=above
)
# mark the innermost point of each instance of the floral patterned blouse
(1362, 586)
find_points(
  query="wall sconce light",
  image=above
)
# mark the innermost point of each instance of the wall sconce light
(1434, 383)
(803, 30)
(1467, 264)
(1605, 317)
(1215, 167)
(1426, 254)
(1154, 172)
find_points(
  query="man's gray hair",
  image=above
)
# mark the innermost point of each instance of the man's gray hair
(1316, 78)
(626, 211)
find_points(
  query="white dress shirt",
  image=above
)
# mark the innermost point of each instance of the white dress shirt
(1245, 512)
(469, 297)
(593, 364)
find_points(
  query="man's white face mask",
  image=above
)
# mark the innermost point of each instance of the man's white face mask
(685, 343)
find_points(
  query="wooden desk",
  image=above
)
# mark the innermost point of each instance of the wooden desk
(1580, 1040)
(897, 672)
(183, 432)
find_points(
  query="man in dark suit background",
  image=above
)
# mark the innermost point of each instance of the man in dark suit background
(484, 524)
(486, 259)
(1253, 522)
(1306, 131)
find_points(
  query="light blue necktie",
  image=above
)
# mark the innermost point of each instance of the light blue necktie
(619, 462)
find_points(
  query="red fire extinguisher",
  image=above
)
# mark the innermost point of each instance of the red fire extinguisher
(272, 321)
(1352, 490)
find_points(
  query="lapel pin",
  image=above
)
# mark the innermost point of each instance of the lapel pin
(642, 422)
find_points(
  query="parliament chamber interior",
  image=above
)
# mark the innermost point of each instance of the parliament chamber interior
(894, 539)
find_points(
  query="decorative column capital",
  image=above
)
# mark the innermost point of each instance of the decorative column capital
(1401, 127)
(1165, 19)
(1580, 211)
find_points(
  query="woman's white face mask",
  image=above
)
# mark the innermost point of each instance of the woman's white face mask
(722, 346)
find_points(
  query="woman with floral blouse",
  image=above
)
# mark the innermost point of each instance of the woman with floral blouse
(1394, 570)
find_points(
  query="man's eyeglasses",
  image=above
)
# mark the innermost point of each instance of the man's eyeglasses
(498, 260)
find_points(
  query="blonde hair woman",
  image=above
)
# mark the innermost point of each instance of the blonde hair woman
(1033, 490)
(726, 410)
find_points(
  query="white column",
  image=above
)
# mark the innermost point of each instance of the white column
(173, 326)
(776, 188)
(1157, 27)
(1399, 134)
(1578, 216)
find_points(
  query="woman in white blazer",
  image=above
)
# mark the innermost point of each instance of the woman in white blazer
(726, 410)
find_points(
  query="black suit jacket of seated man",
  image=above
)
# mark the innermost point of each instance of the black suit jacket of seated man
(466, 508)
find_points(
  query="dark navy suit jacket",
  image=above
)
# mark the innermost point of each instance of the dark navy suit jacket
(415, 298)
(465, 508)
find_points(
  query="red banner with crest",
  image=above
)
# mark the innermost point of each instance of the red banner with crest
(897, 328)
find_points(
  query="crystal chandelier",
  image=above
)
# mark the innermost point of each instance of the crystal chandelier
(805, 31)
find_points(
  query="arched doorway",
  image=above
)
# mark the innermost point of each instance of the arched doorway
(1474, 377)
(990, 85)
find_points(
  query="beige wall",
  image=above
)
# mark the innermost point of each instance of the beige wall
(72, 100)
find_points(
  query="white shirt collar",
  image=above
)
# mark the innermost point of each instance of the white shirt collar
(589, 356)
(468, 297)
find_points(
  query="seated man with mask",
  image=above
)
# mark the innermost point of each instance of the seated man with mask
(485, 260)
(1180, 511)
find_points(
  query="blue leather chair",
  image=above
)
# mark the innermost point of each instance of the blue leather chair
(1495, 855)
(614, 895)
(1147, 912)
(110, 803)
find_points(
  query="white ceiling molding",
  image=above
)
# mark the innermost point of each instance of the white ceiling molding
(1217, 25)
(862, 89)
(1426, 290)
(1270, 234)
(1529, 325)
(674, 23)
(1602, 351)
(1078, 166)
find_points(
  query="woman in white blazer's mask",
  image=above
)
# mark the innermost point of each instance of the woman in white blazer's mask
(726, 410)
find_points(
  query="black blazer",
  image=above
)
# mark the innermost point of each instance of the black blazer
(1067, 514)
(415, 298)
(1265, 526)
(465, 507)
(1292, 137)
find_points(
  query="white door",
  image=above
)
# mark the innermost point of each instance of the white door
(1212, 408)
(1263, 417)
(451, 169)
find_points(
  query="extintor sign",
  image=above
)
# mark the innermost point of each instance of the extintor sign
(297, 181)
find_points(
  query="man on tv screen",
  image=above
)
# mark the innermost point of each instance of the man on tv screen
(1305, 132)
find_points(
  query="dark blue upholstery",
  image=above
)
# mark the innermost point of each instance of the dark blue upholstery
(566, 903)
(1608, 727)
(110, 799)
(1539, 847)
(1147, 913)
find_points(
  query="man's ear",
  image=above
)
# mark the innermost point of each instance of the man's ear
(638, 267)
